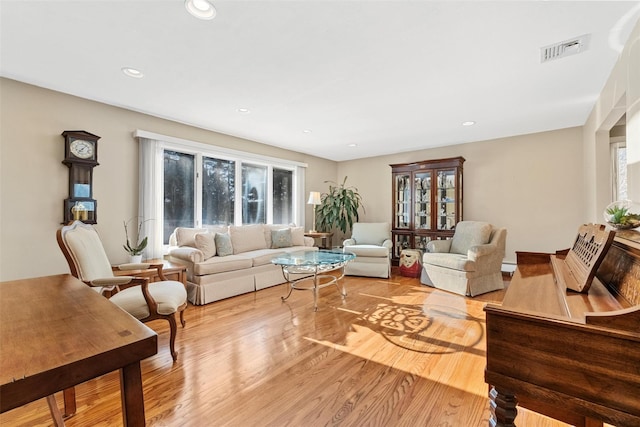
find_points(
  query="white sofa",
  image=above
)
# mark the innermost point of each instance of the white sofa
(226, 261)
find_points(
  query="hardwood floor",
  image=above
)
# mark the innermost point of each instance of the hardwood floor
(393, 353)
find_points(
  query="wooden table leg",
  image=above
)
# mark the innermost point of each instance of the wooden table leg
(132, 397)
(55, 412)
(503, 408)
(69, 396)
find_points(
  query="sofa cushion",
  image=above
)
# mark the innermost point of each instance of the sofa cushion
(263, 256)
(468, 234)
(223, 244)
(206, 242)
(368, 251)
(281, 238)
(186, 236)
(245, 238)
(221, 264)
(452, 261)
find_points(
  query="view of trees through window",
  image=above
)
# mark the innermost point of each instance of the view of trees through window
(282, 196)
(220, 198)
(218, 191)
(254, 194)
(178, 191)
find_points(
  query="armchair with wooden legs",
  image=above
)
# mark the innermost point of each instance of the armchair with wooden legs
(87, 259)
(145, 301)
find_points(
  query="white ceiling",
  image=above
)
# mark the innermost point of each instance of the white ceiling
(389, 76)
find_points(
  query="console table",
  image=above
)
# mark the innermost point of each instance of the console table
(56, 332)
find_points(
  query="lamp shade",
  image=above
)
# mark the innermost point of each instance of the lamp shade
(314, 198)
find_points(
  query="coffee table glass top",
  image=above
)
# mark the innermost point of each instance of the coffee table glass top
(313, 258)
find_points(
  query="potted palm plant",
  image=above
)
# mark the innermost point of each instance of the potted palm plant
(136, 244)
(338, 207)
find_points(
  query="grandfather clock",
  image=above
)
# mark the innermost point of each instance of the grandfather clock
(80, 156)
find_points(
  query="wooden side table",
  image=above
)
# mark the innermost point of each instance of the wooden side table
(172, 271)
(326, 239)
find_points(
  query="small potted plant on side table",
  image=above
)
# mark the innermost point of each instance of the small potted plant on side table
(135, 245)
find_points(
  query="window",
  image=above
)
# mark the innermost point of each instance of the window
(282, 196)
(254, 194)
(218, 191)
(218, 196)
(188, 184)
(619, 170)
(178, 191)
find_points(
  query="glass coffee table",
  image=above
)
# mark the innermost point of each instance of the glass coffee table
(317, 265)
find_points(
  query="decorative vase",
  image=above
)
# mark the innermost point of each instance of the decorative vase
(135, 259)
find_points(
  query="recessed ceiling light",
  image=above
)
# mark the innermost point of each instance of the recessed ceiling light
(352, 145)
(132, 72)
(244, 110)
(307, 131)
(469, 123)
(201, 9)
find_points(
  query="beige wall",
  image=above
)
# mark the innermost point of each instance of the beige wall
(530, 184)
(620, 95)
(34, 182)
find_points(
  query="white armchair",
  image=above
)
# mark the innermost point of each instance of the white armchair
(87, 259)
(371, 242)
(468, 264)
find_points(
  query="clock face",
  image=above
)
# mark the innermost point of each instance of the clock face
(82, 149)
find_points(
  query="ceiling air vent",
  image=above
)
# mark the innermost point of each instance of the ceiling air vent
(565, 48)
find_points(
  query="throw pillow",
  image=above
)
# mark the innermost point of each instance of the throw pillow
(223, 244)
(206, 242)
(468, 234)
(267, 232)
(297, 236)
(186, 236)
(281, 238)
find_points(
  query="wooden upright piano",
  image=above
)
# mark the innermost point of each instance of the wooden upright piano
(573, 356)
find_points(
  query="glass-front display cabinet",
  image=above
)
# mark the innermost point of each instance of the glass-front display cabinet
(427, 202)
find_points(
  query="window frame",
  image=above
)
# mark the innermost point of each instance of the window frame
(201, 150)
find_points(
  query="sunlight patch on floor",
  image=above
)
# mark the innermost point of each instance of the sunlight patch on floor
(424, 323)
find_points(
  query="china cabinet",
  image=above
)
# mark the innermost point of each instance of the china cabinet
(427, 202)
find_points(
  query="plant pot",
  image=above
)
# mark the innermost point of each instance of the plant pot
(622, 215)
(135, 259)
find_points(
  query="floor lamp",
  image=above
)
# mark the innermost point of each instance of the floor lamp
(314, 199)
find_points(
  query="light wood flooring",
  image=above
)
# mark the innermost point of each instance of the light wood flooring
(393, 353)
